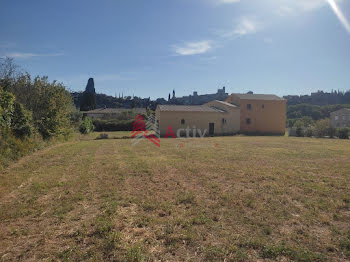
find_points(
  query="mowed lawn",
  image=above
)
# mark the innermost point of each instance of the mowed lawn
(213, 199)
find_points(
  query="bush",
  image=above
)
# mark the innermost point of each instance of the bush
(321, 128)
(21, 121)
(308, 132)
(12, 148)
(332, 132)
(299, 128)
(102, 136)
(113, 125)
(86, 126)
(343, 133)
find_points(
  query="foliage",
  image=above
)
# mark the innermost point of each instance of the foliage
(103, 136)
(88, 102)
(312, 111)
(113, 125)
(86, 126)
(29, 111)
(7, 101)
(344, 133)
(22, 121)
(321, 128)
(13, 116)
(50, 104)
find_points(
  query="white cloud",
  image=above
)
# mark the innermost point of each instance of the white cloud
(193, 48)
(244, 26)
(21, 55)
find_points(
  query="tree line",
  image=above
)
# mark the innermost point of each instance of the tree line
(33, 111)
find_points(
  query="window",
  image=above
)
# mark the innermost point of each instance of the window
(182, 121)
(248, 121)
(336, 117)
(263, 106)
(249, 106)
(224, 121)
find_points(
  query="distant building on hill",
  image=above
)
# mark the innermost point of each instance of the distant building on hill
(196, 99)
(340, 118)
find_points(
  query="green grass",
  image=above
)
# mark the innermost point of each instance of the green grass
(214, 199)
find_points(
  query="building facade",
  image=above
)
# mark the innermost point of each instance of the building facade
(213, 118)
(260, 114)
(340, 118)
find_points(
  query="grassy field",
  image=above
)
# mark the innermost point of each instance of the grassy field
(214, 199)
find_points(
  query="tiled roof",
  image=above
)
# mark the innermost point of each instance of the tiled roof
(340, 110)
(116, 110)
(225, 103)
(258, 97)
(175, 108)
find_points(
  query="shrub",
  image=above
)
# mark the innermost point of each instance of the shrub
(308, 132)
(102, 136)
(332, 132)
(321, 128)
(113, 125)
(299, 132)
(299, 126)
(21, 121)
(86, 126)
(343, 133)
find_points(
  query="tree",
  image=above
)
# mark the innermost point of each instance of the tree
(13, 116)
(86, 126)
(321, 128)
(21, 122)
(89, 97)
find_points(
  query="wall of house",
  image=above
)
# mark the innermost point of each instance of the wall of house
(197, 120)
(266, 116)
(232, 117)
(233, 99)
(340, 118)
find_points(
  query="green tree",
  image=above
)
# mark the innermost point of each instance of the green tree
(7, 101)
(321, 128)
(86, 126)
(21, 122)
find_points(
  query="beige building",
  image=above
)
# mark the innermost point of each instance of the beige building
(213, 118)
(260, 114)
(114, 113)
(340, 118)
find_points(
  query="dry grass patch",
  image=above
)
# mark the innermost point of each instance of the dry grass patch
(213, 199)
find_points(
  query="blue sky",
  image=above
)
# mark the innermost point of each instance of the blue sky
(149, 48)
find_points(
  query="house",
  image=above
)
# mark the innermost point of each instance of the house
(114, 113)
(340, 118)
(260, 113)
(213, 118)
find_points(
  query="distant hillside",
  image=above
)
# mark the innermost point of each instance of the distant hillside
(320, 98)
(103, 100)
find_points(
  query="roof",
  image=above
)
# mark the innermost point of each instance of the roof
(115, 110)
(176, 108)
(258, 97)
(347, 110)
(225, 103)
